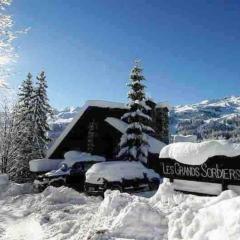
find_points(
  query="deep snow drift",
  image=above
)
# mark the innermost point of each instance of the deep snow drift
(62, 213)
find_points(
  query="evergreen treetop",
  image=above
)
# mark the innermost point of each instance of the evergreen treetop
(134, 142)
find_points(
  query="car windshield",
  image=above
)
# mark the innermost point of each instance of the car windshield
(64, 167)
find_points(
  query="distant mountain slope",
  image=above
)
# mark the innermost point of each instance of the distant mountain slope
(60, 120)
(208, 119)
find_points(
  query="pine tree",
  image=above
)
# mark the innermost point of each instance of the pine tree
(41, 110)
(134, 142)
(24, 122)
(25, 96)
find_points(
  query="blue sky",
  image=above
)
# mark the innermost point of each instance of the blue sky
(189, 49)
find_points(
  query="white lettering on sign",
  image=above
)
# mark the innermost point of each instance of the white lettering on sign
(201, 171)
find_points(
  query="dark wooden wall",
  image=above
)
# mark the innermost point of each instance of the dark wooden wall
(106, 141)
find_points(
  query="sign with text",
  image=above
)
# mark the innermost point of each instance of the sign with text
(217, 169)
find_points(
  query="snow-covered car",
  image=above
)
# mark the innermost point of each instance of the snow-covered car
(71, 171)
(73, 176)
(125, 176)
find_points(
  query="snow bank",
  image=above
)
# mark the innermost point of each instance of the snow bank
(62, 213)
(24, 229)
(198, 153)
(181, 138)
(44, 165)
(56, 214)
(115, 171)
(63, 195)
(14, 189)
(206, 218)
(123, 216)
(4, 179)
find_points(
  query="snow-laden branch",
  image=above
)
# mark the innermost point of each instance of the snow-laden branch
(8, 53)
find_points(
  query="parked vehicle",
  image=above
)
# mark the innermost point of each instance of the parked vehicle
(124, 176)
(73, 176)
(71, 172)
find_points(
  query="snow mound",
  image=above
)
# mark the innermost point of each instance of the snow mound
(198, 153)
(138, 220)
(44, 165)
(165, 194)
(115, 171)
(26, 229)
(15, 189)
(63, 195)
(62, 213)
(129, 217)
(207, 218)
(56, 214)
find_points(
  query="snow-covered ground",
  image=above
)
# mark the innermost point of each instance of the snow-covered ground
(62, 213)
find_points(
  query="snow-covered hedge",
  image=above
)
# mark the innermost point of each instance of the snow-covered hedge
(198, 153)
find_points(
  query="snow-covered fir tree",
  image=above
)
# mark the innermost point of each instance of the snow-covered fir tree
(30, 126)
(92, 128)
(41, 111)
(24, 126)
(134, 142)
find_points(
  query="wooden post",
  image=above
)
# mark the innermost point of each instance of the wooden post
(224, 186)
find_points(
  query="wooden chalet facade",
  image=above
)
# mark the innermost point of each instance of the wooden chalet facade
(105, 135)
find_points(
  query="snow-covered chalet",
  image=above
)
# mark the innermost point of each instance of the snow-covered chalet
(97, 128)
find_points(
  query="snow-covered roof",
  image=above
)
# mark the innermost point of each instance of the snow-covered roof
(155, 145)
(164, 105)
(90, 103)
(198, 153)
